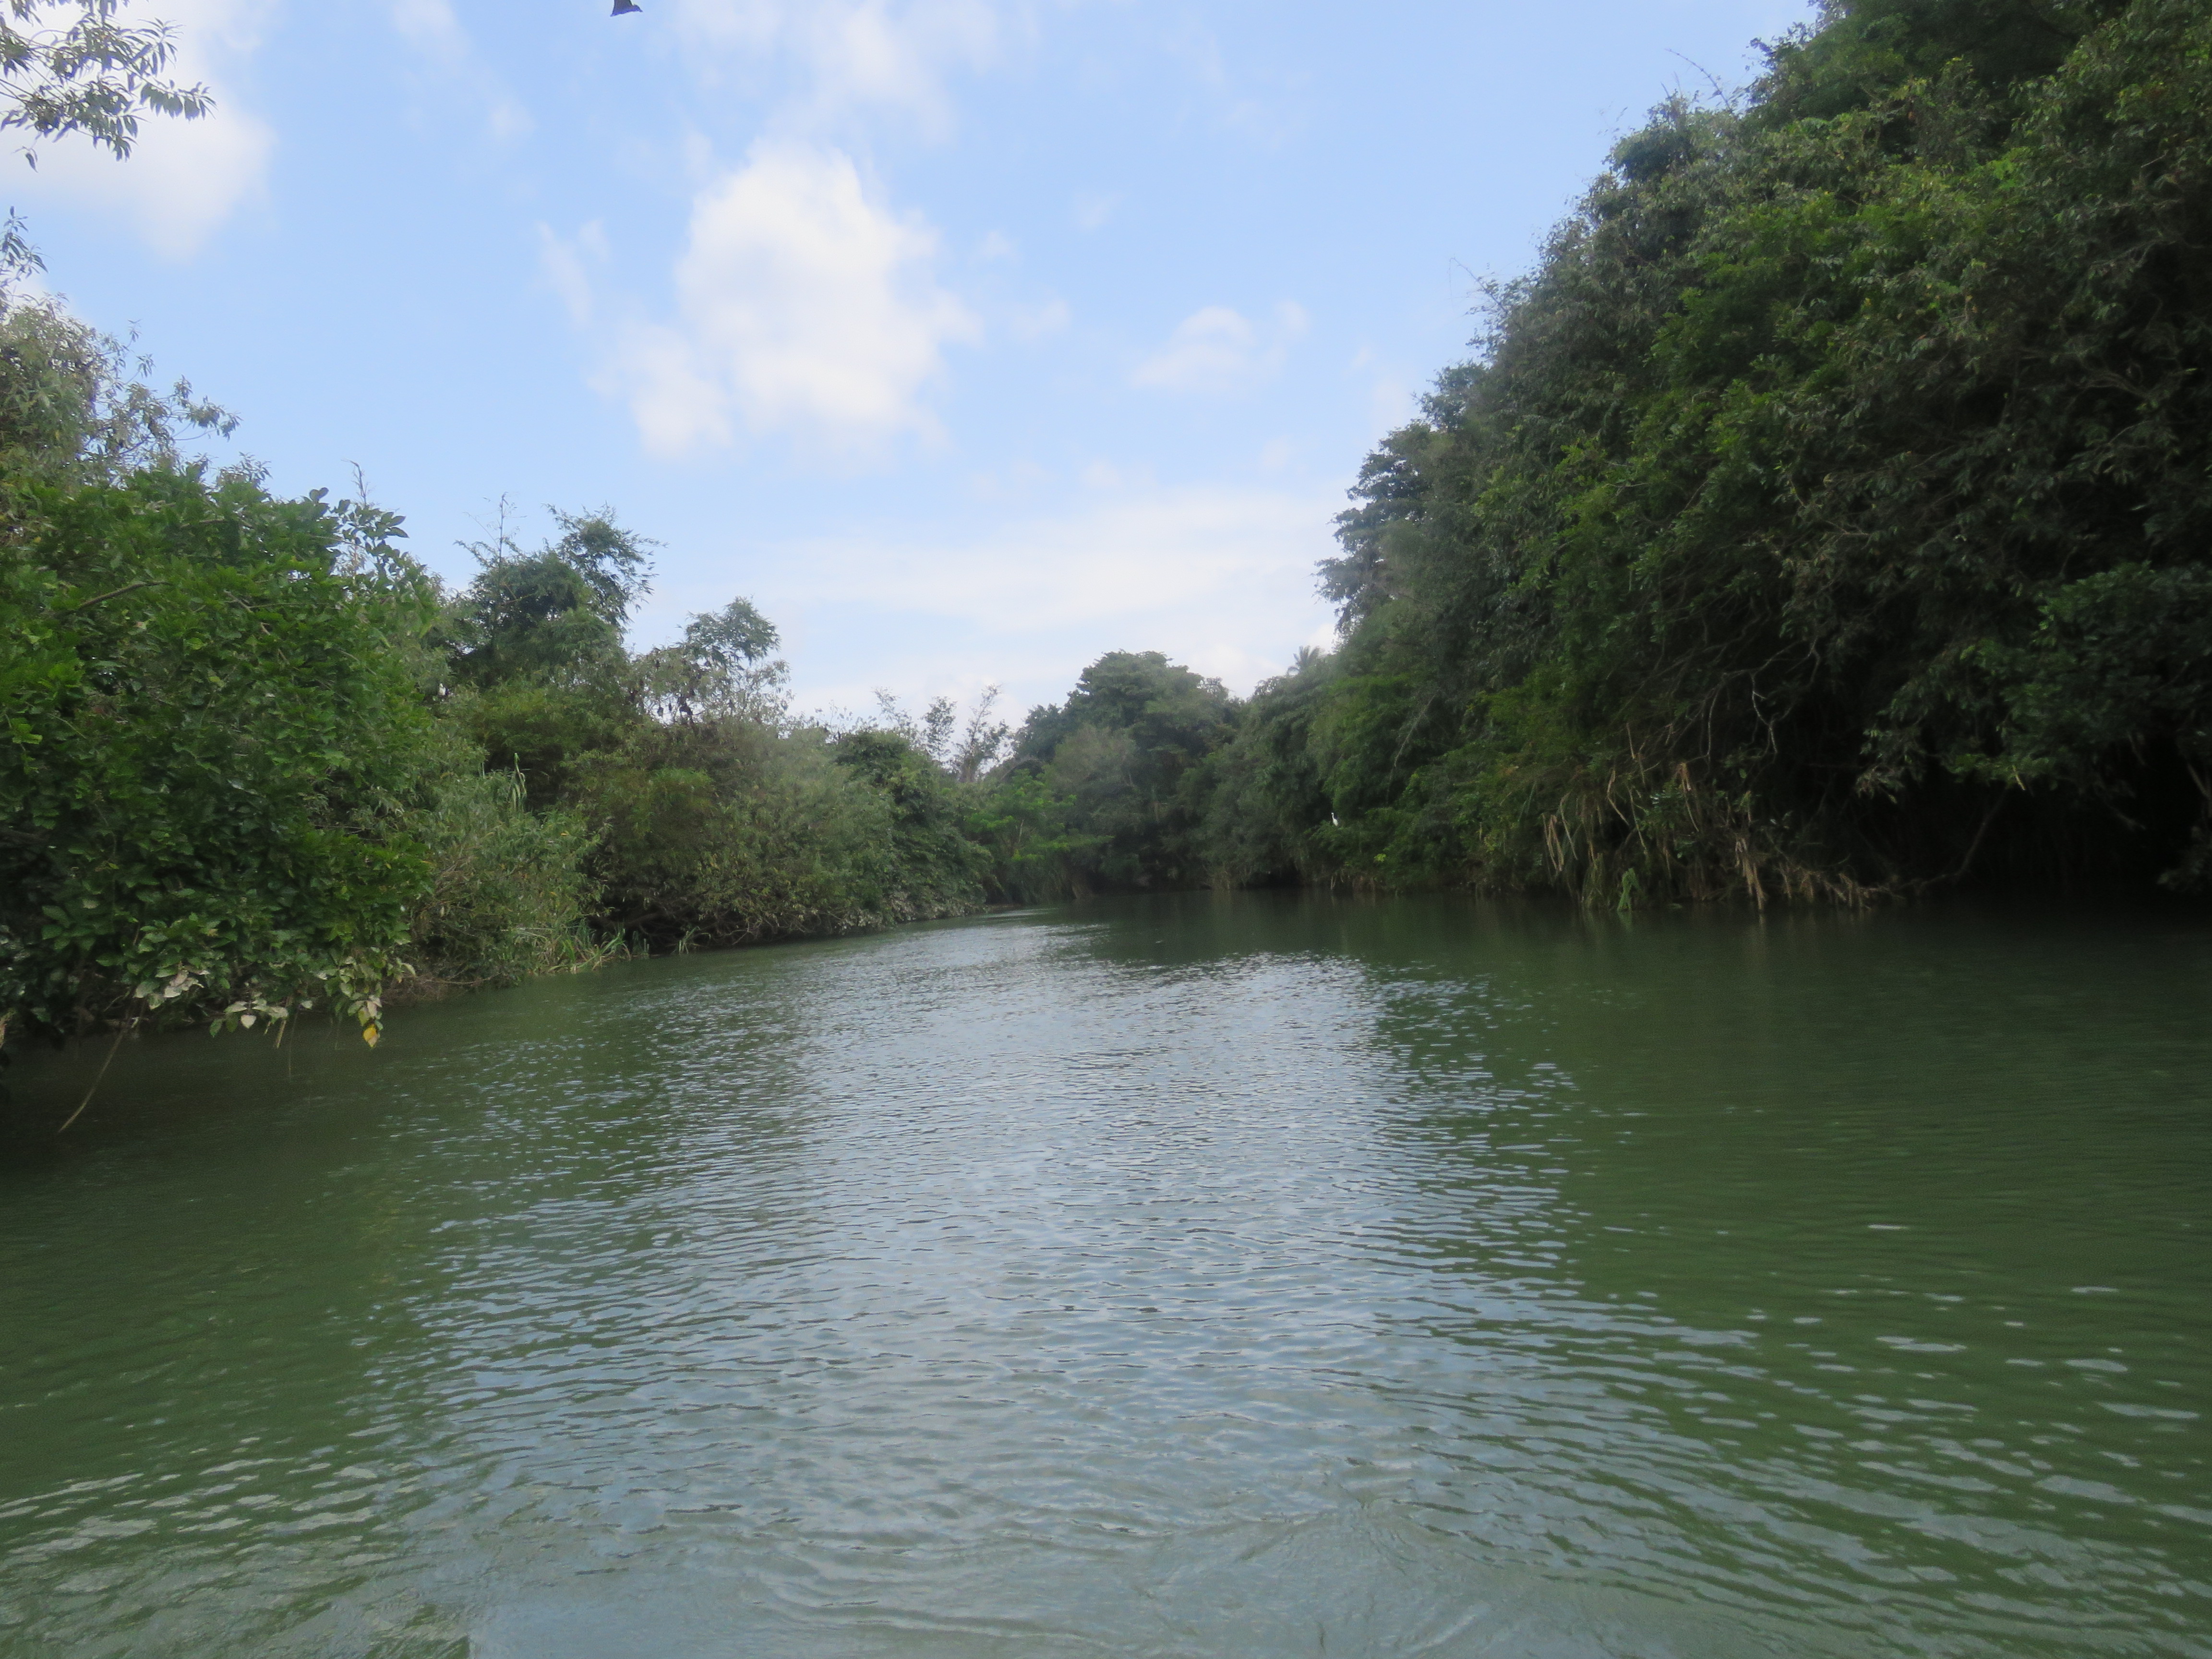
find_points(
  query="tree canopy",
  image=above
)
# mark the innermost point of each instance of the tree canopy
(1825, 513)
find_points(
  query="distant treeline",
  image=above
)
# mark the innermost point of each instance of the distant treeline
(1825, 517)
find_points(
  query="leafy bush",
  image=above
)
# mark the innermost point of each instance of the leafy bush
(508, 895)
(207, 724)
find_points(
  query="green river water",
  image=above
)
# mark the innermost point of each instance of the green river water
(1216, 1275)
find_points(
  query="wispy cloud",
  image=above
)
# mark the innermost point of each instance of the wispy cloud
(431, 28)
(1218, 350)
(804, 306)
(851, 55)
(1035, 322)
(435, 32)
(1091, 208)
(1120, 557)
(568, 264)
(1266, 117)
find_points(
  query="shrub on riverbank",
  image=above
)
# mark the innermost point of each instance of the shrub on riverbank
(716, 816)
(208, 735)
(1106, 790)
(1825, 515)
(254, 765)
(507, 896)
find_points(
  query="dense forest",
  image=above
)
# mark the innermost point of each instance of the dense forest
(1822, 518)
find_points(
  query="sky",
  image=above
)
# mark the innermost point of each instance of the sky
(968, 339)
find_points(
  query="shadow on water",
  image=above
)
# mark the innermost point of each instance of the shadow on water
(1206, 1275)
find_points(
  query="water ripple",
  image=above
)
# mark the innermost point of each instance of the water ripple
(1175, 1278)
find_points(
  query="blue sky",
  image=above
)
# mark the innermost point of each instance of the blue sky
(969, 339)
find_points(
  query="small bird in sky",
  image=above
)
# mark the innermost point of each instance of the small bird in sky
(623, 6)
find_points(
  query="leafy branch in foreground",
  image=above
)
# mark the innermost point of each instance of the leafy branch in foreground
(87, 71)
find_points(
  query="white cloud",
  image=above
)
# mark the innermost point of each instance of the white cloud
(184, 180)
(1162, 550)
(1217, 350)
(1220, 578)
(852, 54)
(431, 28)
(678, 406)
(1018, 479)
(1268, 119)
(506, 119)
(804, 306)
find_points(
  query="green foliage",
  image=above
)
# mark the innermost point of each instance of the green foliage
(507, 897)
(206, 724)
(967, 750)
(732, 641)
(710, 820)
(1268, 815)
(551, 617)
(726, 831)
(933, 868)
(719, 669)
(71, 411)
(1028, 832)
(1126, 751)
(540, 731)
(254, 762)
(254, 765)
(1864, 49)
(1826, 511)
(91, 73)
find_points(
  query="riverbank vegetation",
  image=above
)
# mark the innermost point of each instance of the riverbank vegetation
(1824, 515)
(1823, 518)
(258, 760)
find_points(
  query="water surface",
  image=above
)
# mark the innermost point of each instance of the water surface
(1255, 1275)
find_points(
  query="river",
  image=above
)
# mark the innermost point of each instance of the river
(1261, 1275)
